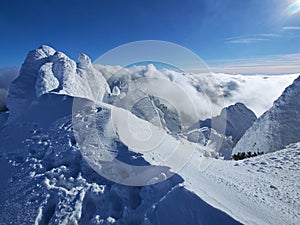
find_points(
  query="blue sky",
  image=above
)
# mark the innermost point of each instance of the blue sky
(225, 33)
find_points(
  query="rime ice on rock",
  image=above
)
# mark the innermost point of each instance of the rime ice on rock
(48, 71)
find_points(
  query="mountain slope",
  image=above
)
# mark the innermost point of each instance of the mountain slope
(276, 128)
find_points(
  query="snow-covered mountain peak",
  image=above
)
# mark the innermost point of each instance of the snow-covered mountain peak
(276, 128)
(233, 121)
(48, 71)
(42, 52)
(84, 61)
(292, 91)
(223, 130)
(239, 119)
(47, 50)
(236, 108)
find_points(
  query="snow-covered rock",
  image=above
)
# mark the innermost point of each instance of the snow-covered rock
(48, 71)
(223, 131)
(22, 91)
(276, 128)
(233, 121)
(238, 119)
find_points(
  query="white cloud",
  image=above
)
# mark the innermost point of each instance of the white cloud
(251, 90)
(209, 93)
(246, 40)
(249, 39)
(291, 28)
(271, 64)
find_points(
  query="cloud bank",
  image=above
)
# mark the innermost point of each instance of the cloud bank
(209, 93)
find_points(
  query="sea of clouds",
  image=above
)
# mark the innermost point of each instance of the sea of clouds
(209, 93)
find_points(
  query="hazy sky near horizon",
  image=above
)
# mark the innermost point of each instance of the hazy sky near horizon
(230, 35)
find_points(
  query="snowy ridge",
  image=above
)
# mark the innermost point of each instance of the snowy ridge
(276, 128)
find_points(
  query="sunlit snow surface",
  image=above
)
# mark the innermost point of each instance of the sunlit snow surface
(48, 182)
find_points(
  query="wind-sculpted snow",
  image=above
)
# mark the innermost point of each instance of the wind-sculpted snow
(50, 182)
(48, 71)
(278, 127)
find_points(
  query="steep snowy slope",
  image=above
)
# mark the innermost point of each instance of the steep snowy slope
(276, 128)
(49, 182)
